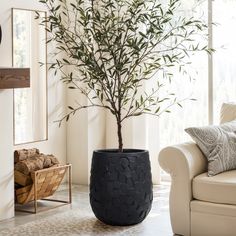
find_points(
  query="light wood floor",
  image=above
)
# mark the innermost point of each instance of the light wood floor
(157, 223)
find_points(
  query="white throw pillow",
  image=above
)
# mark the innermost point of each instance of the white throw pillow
(218, 144)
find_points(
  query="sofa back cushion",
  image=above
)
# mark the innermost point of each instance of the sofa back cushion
(228, 112)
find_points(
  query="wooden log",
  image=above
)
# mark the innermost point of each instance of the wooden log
(49, 161)
(25, 189)
(17, 186)
(22, 179)
(22, 154)
(30, 164)
(35, 163)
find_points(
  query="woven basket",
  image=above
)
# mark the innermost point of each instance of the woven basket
(45, 183)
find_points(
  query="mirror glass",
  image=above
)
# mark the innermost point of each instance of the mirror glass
(29, 50)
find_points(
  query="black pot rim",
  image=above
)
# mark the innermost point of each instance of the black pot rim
(116, 151)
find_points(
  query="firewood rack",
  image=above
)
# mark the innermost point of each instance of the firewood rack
(45, 184)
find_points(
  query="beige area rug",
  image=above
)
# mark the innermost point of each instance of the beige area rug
(72, 223)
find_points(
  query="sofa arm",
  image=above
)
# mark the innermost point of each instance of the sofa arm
(183, 162)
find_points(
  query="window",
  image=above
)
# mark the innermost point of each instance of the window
(215, 81)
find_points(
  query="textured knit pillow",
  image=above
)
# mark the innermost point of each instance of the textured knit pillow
(218, 144)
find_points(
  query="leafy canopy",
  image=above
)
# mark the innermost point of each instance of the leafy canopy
(107, 49)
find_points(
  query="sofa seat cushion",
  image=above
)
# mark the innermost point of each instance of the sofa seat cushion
(220, 188)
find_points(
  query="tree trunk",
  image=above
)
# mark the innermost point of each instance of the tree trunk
(119, 126)
(119, 133)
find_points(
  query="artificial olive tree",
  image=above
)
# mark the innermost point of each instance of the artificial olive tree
(107, 49)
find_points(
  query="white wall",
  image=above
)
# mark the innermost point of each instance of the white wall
(56, 143)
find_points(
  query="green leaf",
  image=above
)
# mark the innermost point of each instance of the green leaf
(137, 114)
(157, 110)
(66, 61)
(141, 98)
(179, 105)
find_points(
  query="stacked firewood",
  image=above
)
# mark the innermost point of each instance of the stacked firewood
(30, 160)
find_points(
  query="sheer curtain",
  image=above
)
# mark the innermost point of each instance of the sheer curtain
(192, 85)
(153, 134)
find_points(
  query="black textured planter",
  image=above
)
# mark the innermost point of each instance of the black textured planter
(121, 186)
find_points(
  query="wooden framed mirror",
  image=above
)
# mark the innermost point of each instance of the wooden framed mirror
(29, 49)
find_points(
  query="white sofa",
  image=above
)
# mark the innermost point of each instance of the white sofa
(200, 205)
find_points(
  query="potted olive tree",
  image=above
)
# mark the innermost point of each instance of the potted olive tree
(106, 50)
